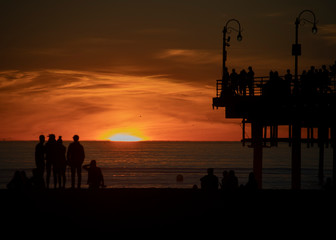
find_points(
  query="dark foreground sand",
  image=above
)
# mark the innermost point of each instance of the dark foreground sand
(167, 212)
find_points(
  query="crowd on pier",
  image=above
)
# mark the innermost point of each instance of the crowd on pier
(310, 82)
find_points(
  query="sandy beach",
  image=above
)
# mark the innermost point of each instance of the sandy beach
(166, 211)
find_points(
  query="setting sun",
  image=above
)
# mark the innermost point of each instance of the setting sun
(124, 138)
(124, 135)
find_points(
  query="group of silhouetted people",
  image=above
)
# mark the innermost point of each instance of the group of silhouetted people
(52, 157)
(315, 81)
(311, 82)
(276, 85)
(238, 83)
(229, 181)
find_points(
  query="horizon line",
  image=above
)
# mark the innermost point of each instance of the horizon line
(36, 140)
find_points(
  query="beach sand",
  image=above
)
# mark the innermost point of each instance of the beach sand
(153, 211)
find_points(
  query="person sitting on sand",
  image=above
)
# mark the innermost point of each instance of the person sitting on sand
(209, 182)
(252, 183)
(19, 182)
(95, 175)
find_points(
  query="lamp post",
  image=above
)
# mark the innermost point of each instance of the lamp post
(227, 40)
(296, 124)
(296, 48)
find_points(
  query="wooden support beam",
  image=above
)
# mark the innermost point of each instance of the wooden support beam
(322, 137)
(296, 156)
(257, 132)
(333, 144)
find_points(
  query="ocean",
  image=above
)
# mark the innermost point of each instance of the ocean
(151, 164)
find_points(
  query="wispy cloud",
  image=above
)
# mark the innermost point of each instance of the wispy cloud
(191, 56)
(328, 32)
(92, 104)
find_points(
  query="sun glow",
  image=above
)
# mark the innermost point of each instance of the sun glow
(124, 135)
(124, 138)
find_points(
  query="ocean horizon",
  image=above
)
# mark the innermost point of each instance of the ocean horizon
(156, 164)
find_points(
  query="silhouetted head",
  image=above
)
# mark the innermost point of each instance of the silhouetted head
(59, 140)
(93, 163)
(17, 175)
(210, 171)
(75, 138)
(42, 138)
(52, 137)
(250, 68)
(179, 178)
(288, 71)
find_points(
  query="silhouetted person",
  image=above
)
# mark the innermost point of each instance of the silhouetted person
(324, 79)
(60, 163)
(75, 158)
(250, 81)
(16, 183)
(252, 182)
(37, 181)
(19, 182)
(234, 78)
(242, 82)
(310, 83)
(95, 175)
(51, 158)
(303, 82)
(225, 180)
(232, 180)
(333, 69)
(328, 184)
(288, 82)
(179, 178)
(40, 155)
(281, 87)
(209, 182)
(226, 89)
(268, 86)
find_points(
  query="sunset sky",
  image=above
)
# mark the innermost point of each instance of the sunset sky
(143, 68)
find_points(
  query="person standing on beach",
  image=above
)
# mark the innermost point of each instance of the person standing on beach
(209, 182)
(60, 164)
(40, 156)
(51, 155)
(75, 158)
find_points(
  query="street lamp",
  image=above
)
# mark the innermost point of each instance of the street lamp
(227, 40)
(296, 48)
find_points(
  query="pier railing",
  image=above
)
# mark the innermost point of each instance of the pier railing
(259, 85)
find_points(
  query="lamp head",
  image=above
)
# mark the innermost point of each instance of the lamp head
(239, 37)
(314, 29)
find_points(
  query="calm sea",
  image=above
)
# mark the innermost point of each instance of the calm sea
(156, 164)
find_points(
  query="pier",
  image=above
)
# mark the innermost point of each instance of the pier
(265, 108)
(304, 105)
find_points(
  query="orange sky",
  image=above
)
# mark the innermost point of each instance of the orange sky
(147, 68)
